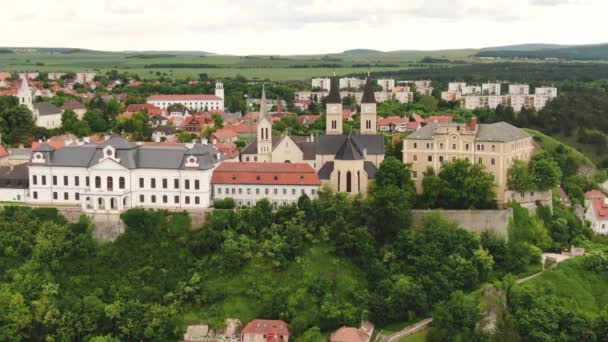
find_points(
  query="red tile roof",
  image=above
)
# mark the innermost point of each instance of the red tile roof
(54, 144)
(8, 92)
(228, 148)
(395, 120)
(444, 118)
(224, 133)
(144, 107)
(308, 119)
(348, 334)
(417, 118)
(594, 194)
(243, 128)
(265, 173)
(265, 326)
(600, 208)
(186, 97)
(3, 151)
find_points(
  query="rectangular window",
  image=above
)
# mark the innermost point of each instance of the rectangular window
(165, 200)
(284, 191)
(480, 160)
(276, 191)
(240, 191)
(54, 195)
(35, 180)
(65, 180)
(415, 157)
(219, 191)
(466, 147)
(248, 191)
(164, 183)
(43, 180)
(77, 196)
(430, 158)
(197, 200)
(441, 159)
(313, 191)
(414, 174)
(233, 190)
(141, 198)
(441, 146)
(35, 194)
(176, 199)
(66, 196)
(197, 184)
(176, 183)
(187, 199)
(266, 191)
(453, 146)
(187, 184)
(493, 161)
(76, 181)
(293, 191)
(54, 180)
(87, 181)
(153, 199)
(257, 191)
(153, 183)
(141, 183)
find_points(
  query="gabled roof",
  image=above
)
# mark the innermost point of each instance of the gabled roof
(185, 97)
(14, 177)
(500, 132)
(349, 334)
(394, 120)
(594, 194)
(74, 105)
(349, 151)
(46, 108)
(266, 327)
(330, 144)
(118, 143)
(334, 92)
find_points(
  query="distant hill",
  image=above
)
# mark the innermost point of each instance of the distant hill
(361, 52)
(526, 47)
(579, 52)
(46, 49)
(170, 52)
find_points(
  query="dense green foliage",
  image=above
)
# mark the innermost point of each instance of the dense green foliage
(541, 173)
(583, 52)
(16, 122)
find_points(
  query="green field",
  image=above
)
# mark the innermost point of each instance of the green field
(276, 68)
(417, 337)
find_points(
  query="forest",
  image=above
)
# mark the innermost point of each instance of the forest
(320, 264)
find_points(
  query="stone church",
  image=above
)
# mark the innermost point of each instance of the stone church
(345, 162)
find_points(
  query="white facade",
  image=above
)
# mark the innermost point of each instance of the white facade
(519, 89)
(351, 82)
(387, 84)
(192, 102)
(106, 185)
(598, 220)
(249, 195)
(54, 76)
(321, 83)
(490, 88)
(546, 91)
(85, 77)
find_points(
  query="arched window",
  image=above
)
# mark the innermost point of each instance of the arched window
(349, 182)
(110, 183)
(339, 180)
(97, 182)
(121, 182)
(359, 181)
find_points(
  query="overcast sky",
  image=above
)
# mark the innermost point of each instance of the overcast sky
(299, 27)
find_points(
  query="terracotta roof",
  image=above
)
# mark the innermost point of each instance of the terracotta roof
(229, 149)
(348, 334)
(185, 97)
(243, 128)
(395, 120)
(8, 92)
(3, 151)
(54, 144)
(444, 118)
(265, 173)
(224, 133)
(417, 118)
(264, 326)
(600, 209)
(308, 119)
(594, 194)
(197, 120)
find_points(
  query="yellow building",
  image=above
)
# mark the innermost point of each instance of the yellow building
(495, 146)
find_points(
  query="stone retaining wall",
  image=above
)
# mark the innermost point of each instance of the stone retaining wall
(475, 220)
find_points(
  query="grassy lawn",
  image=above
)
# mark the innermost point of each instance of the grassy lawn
(417, 337)
(549, 143)
(276, 68)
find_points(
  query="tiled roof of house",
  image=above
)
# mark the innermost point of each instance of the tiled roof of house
(3, 151)
(185, 97)
(224, 133)
(349, 334)
(229, 149)
(600, 209)
(46, 108)
(268, 174)
(594, 194)
(395, 120)
(74, 105)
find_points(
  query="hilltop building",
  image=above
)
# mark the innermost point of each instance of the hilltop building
(346, 162)
(495, 146)
(117, 175)
(194, 102)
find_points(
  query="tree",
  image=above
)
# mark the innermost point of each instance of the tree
(393, 172)
(69, 121)
(545, 172)
(519, 177)
(16, 122)
(455, 319)
(95, 120)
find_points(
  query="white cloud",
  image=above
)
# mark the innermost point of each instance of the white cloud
(306, 26)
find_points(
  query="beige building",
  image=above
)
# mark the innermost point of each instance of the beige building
(495, 146)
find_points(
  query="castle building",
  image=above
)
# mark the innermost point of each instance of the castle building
(117, 175)
(345, 162)
(194, 102)
(495, 146)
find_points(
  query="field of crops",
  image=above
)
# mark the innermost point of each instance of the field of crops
(278, 68)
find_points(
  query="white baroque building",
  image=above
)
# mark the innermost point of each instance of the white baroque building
(194, 102)
(118, 174)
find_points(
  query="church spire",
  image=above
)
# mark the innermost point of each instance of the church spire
(368, 92)
(263, 106)
(334, 92)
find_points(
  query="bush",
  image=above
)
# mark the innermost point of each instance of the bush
(227, 203)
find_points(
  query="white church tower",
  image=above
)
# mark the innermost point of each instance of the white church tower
(333, 109)
(25, 94)
(264, 131)
(219, 89)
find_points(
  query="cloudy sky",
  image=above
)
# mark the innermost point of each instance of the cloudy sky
(299, 27)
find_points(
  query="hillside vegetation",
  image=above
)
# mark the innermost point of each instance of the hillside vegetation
(582, 52)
